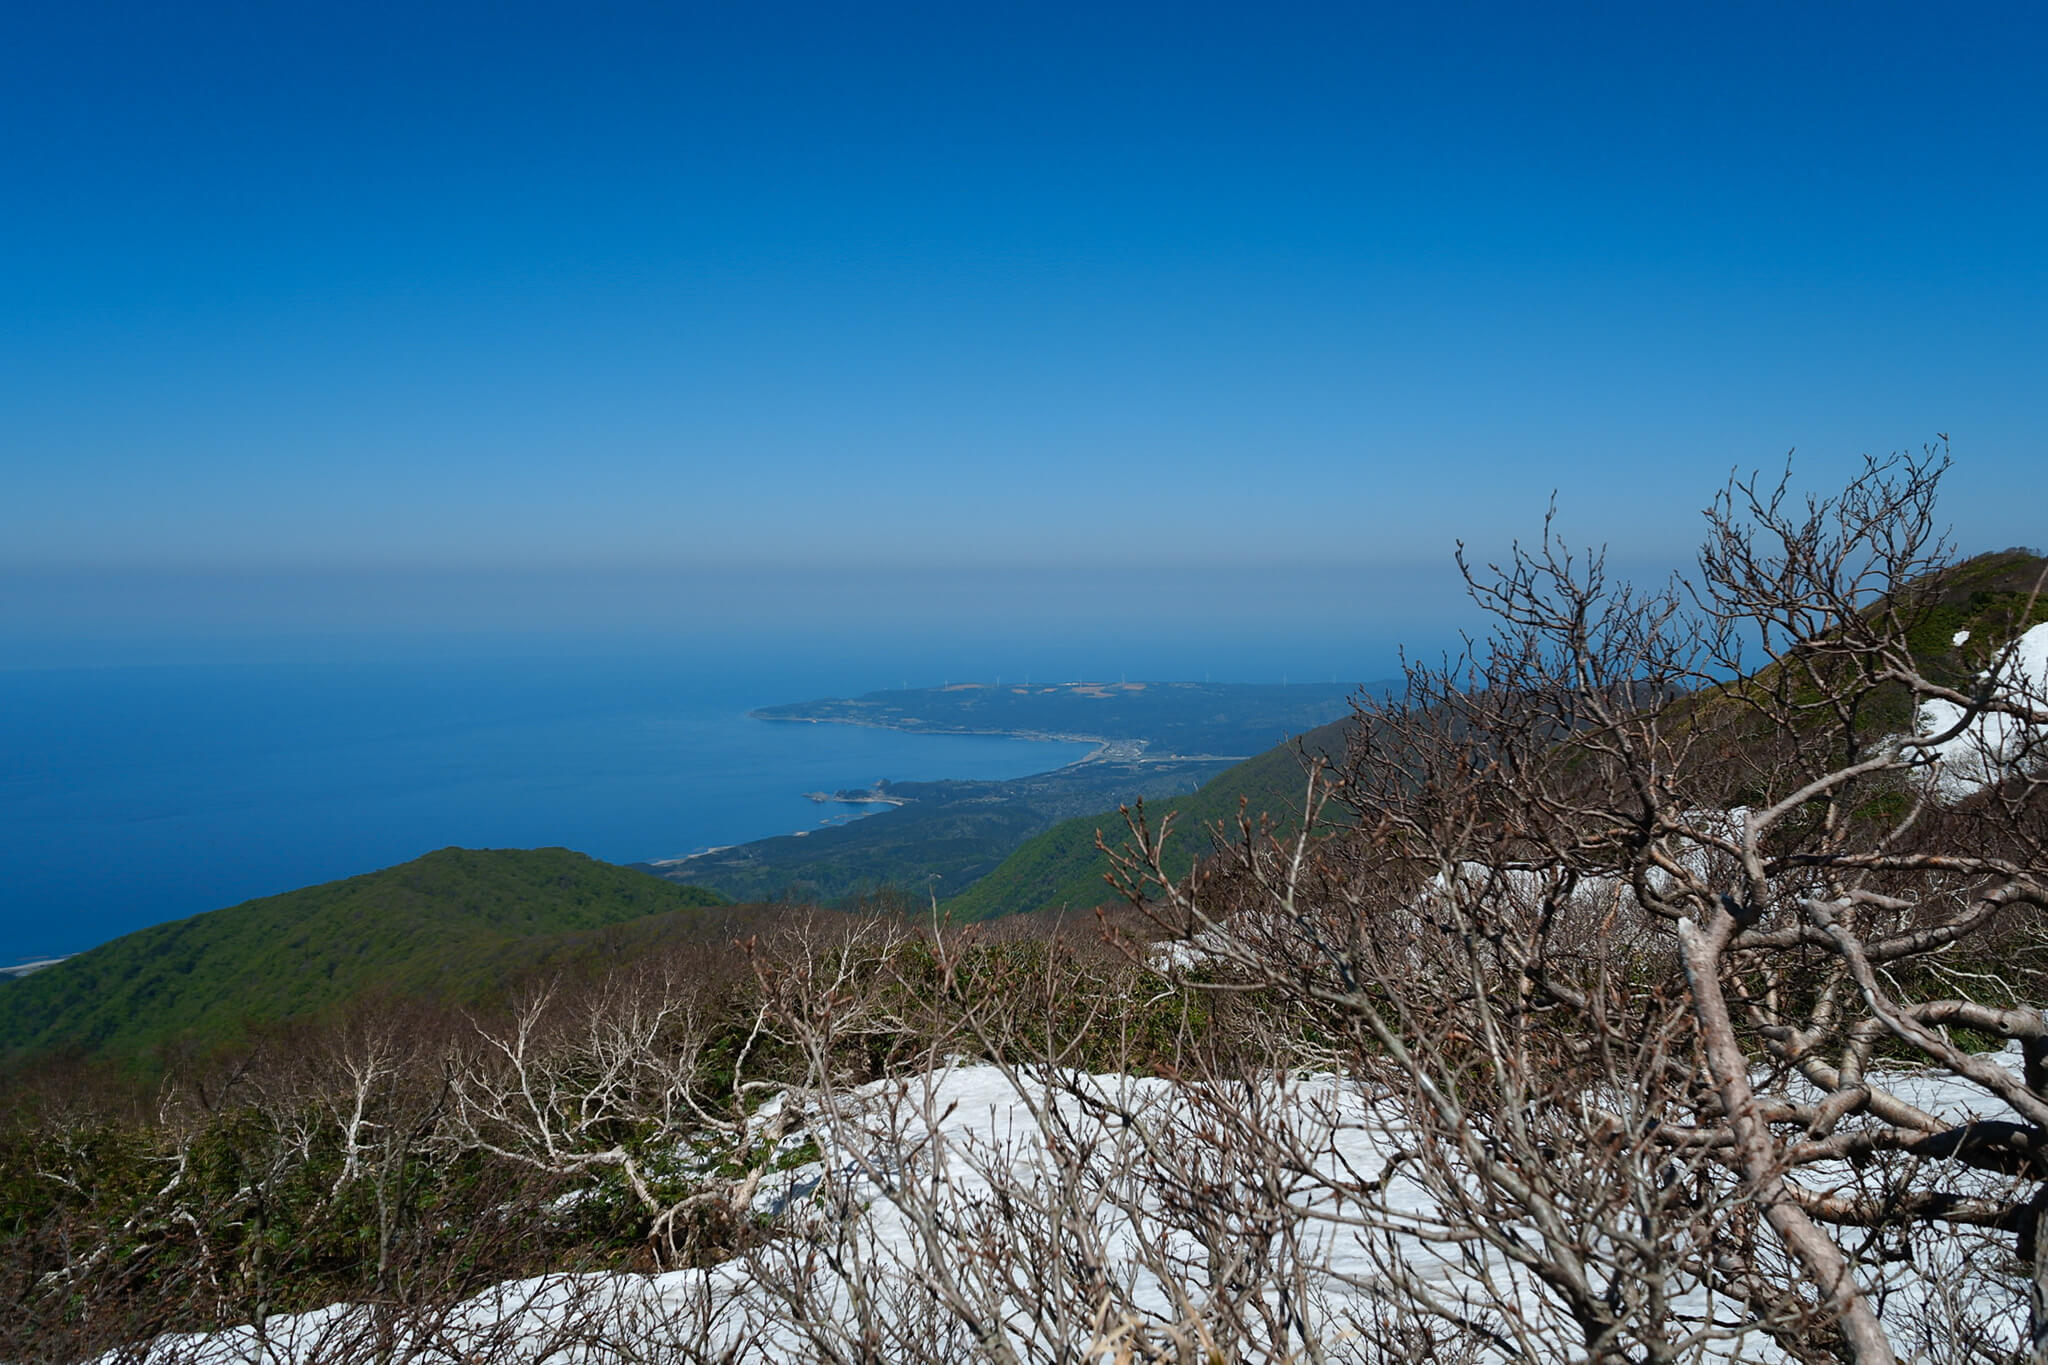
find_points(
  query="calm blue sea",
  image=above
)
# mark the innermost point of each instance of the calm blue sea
(144, 778)
(133, 795)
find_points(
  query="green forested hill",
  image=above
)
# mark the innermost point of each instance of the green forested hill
(1062, 866)
(448, 926)
(1958, 623)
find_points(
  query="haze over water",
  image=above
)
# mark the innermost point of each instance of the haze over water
(134, 794)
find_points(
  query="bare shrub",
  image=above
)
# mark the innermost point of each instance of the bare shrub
(1647, 942)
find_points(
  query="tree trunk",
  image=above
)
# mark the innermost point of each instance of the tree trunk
(1819, 1257)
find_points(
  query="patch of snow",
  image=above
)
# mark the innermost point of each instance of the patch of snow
(1991, 745)
(1186, 953)
(1702, 851)
(933, 1175)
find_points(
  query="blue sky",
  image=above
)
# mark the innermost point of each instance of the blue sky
(986, 289)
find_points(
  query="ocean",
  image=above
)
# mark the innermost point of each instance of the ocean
(134, 795)
(144, 781)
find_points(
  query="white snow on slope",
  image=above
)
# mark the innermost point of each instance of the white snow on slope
(1991, 745)
(905, 1200)
(899, 1155)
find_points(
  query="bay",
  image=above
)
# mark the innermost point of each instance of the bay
(134, 795)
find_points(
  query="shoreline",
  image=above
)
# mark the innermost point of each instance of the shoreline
(21, 969)
(1102, 751)
(1105, 751)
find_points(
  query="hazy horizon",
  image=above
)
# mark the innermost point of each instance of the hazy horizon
(363, 305)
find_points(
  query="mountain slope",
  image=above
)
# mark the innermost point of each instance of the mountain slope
(1957, 623)
(444, 925)
(1062, 866)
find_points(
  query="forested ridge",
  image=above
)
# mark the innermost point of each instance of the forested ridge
(1063, 868)
(451, 927)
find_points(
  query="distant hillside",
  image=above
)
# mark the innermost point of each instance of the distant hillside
(451, 925)
(1958, 622)
(1063, 868)
(1987, 596)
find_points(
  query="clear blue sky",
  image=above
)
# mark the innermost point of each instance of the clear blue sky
(292, 289)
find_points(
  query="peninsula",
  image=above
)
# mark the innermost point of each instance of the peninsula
(1130, 721)
(1154, 740)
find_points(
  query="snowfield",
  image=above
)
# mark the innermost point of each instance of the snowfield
(1990, 745)
(963, 1194)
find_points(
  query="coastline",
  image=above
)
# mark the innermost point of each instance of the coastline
(1219, 724)
(873, 802)
(1104, 752)
(1104, 748)
(21, 969)
(619, 755)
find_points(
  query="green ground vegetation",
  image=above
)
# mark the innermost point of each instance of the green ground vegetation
(450, 926)
(1064, 868)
